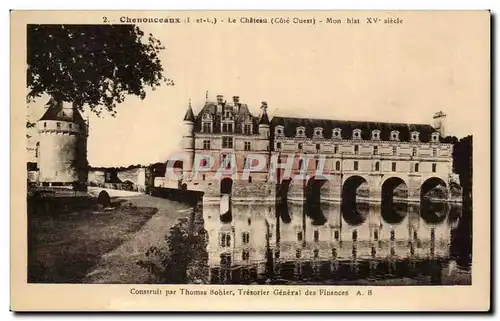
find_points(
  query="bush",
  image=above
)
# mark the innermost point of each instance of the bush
(184, 259)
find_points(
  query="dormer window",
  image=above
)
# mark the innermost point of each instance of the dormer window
(207, 127)
(435, 137)
(394, 135)
(414, 136)
(376, 134)
(318, 132)
(247, 129)
(279, 131)
(227, 127)
(356, 134)
(337, 133)
(301, 131)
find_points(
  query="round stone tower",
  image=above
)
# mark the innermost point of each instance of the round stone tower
(62, 147)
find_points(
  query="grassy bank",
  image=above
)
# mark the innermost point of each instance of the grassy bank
(68, 235)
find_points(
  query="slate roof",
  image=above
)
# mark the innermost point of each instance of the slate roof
(189, 116)
(290, 124)
(239, 111)
(55, 111)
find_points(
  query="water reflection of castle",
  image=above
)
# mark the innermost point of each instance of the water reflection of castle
(333, 233)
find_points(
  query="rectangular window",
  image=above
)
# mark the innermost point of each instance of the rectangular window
(334, 253)
(45, 125)
(355, 165)
(227, 142)
(416, 168)
(336, 149)
(434, 167)
(227, 128)
(245, 255)
(318, 147)
(375, 235)
(393, 166)
(206, 144)
(316, 163)
(316, 236)
(356, 149)
(299, 147)
(245, 237)
(278, 146)
(414, 151)
(354, 235)
(375, 150)
(203, 176)
(226, 161)
(316, 253)
(393, 235)
(247, 129)
(70, 126)
(434, 152)
(394, 150)
(299, 236)
(247, 146)
(207, 127)
(249, 179)
(58, 125)
(225, 239)
(336, 235)
(298, 253)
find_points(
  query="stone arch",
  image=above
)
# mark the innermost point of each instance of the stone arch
(354, 212)
(434, 188)
(395, 187)
(355, 184)
(314, 189)
(394, 196)
(226, 186)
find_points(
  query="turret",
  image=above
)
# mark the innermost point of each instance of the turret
(62, 146)
(264, 121)
(188, 140)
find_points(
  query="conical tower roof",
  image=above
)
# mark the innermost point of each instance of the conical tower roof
(189, 116)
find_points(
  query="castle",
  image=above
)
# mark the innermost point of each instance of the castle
(369, 157)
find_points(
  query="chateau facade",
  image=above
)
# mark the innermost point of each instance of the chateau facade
(369, 157)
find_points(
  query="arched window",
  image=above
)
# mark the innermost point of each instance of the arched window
(416, 168)
(377, 166)
(337, 166)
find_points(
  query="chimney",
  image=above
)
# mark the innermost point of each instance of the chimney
(236, 101)
(264, 106)
(220, 99)
(439, 123)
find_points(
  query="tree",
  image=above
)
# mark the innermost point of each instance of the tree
(96, 65)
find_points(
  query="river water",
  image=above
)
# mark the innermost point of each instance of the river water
(388, 243)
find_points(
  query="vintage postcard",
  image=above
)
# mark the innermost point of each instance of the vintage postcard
(250, 161)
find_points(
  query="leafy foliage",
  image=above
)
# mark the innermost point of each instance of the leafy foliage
(183, 259)
(97, 65)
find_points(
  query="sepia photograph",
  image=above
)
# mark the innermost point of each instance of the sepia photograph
(269, 154)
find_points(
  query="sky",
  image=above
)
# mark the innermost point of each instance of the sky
(354, 72)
